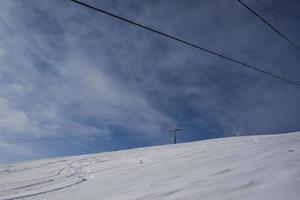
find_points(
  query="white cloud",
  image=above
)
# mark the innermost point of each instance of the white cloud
(12, 119)
(45, 90)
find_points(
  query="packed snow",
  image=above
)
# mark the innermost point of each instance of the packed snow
(248, 168)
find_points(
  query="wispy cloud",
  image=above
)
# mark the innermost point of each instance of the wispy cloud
(68, 71)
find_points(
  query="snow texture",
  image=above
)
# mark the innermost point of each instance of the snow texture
(248, 168)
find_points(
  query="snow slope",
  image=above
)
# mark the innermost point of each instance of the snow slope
(250, 167)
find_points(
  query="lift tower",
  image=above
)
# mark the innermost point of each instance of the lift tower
(174, 131)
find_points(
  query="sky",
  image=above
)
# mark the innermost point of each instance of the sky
(102, 85)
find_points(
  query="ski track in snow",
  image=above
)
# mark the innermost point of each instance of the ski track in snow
(249, 167)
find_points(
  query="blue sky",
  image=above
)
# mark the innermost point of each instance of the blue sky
(68, 71)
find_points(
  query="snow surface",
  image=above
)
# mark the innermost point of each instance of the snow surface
(249, 167)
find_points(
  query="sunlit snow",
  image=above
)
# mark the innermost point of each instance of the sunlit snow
(248, 168)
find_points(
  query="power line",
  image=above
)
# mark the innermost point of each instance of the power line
(270, 25)
(187, 43)
(17, 140)
(266, 8)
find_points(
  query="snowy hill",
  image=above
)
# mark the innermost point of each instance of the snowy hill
(250, 167)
